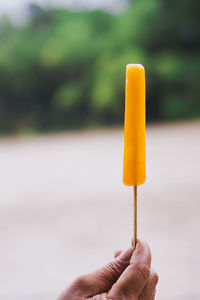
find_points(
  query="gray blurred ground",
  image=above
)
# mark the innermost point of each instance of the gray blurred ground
(64, 209)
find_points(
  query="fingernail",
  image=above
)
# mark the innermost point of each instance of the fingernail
(126, 255)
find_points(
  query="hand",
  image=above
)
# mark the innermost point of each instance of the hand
(128, 277)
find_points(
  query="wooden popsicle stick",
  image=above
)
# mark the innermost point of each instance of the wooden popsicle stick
(135, 216)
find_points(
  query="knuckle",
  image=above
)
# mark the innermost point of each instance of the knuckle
(112, 269)
(81, 283)
(142, 271)
(155, 278)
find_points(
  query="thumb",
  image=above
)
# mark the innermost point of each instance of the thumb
(99, 281)
(102, 279)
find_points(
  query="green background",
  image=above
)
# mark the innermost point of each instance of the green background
(64, 70)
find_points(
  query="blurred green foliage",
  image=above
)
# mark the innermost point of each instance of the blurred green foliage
(65, 70)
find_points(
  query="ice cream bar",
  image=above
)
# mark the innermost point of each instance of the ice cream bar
(134, 166)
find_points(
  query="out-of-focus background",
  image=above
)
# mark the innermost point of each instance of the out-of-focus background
(63, 207)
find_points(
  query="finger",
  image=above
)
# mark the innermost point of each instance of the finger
(142, 253)
(99, 281)
(148, 292)
(135, 277)
(153, 295)
(102, 280)
(117, 253)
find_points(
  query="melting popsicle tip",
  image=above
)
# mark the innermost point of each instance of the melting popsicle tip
(139, 66)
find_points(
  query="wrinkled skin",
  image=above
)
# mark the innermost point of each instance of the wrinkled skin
(128, 277)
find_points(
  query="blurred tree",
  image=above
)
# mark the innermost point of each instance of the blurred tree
(65, 69)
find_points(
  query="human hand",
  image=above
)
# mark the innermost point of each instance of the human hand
(128, 277)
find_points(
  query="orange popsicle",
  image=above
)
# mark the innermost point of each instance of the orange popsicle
(134, 166)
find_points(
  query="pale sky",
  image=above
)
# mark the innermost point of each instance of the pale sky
(17, 8)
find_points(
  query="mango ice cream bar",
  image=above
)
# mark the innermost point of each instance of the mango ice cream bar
(134, 166)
